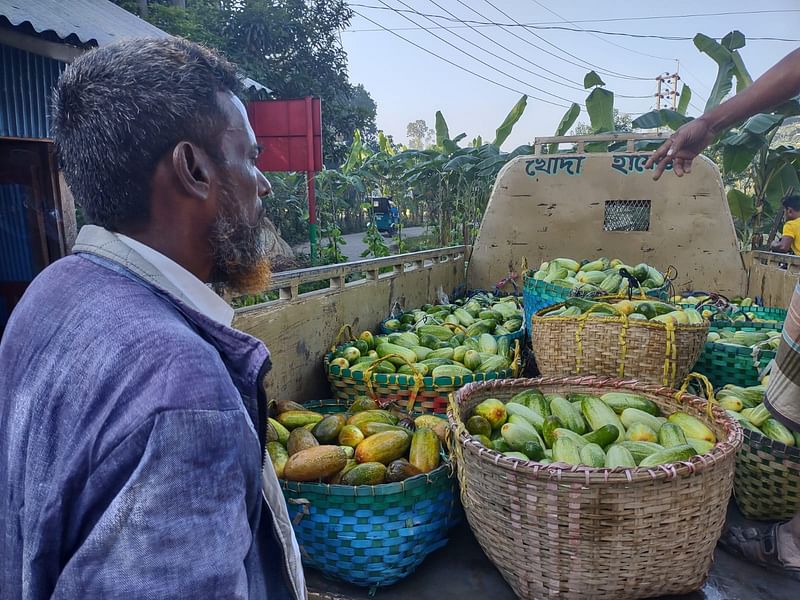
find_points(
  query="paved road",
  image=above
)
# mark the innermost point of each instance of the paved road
(355, 243)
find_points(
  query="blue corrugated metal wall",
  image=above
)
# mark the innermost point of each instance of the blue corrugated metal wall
(16, 259)
(27, 81)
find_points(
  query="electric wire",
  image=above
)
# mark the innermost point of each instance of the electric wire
(454, 64)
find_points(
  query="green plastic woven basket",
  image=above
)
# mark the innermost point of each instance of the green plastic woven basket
(771, 313)
(724, 364)
(402, 390)
(372, 535)
(767, 483)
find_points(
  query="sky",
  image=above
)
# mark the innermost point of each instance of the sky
(408, 83)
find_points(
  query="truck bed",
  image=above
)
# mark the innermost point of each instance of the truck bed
(461, 571)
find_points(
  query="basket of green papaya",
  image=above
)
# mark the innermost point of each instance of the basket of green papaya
(642, 338)
(737, 356)
(370, 494)
(480, 313)
(416, 372)
(558, 279)
(585, 487)
(767, 484)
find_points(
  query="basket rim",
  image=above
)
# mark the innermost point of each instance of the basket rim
(751, 438)
(722, 450)
(519, 333)
(430, 382)
(381, 489)
(443, 471)
(539, 318)
(740, 350)
(539, 283)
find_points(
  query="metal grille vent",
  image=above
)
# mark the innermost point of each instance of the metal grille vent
(627, 215)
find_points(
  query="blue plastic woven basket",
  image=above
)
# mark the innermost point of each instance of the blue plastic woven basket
(538, 294)
(372, 536)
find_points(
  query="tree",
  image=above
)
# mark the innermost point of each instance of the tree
(420, 136)
(291, 46)
(622, 122)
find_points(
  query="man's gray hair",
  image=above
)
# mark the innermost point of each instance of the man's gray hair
(119, 109)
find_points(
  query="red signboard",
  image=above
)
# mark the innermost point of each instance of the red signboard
(290, 132)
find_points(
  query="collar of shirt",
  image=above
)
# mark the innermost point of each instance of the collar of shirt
(198, 293)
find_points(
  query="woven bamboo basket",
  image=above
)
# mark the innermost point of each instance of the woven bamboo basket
(614, 346)
(767, 484)
(724, 364)
(578, 532)
(372, 535)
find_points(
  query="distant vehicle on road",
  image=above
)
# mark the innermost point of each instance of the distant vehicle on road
(387, 217)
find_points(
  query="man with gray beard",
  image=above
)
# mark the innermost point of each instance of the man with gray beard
(132, 416)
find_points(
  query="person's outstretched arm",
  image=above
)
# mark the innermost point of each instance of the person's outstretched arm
(778, 84)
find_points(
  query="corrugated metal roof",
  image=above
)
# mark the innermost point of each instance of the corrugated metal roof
(92, 22)
(96, 22)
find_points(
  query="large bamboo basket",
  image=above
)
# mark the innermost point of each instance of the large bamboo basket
(615, 346)
(578, 532)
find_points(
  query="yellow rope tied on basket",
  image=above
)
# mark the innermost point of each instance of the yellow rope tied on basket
(419, 378)
(515, 365)
(623, 345)
(524, 265)
(344, 328)
(454, 443)
(711, 399)
(670, 358)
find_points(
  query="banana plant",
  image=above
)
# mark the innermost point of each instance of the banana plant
(757, 175)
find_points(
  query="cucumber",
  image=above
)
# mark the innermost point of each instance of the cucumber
(566, 451)
(518, 455)
(405, 339)
(534, 418)
(603, 437)
(533, 399)
(670, 435)
(436, 362)
(422, 352)
(518, 420)
(501, 445)
(592, 455)
(516, 434)
(619, 401)
(549, 426)
(451, 371)
(619, 456)
(533, 450)
(630, 416)
(478, 425)
(598, 413)
(640, 450)
(700, 446)
(404, 355)
(570, 416)
(692, 427)
(561, 432)
(487, 343)
(639, 432)
(447, 353)
(668, 455)
(777, 431)
(493, 363)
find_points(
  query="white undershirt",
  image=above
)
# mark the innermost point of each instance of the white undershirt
(198, 293)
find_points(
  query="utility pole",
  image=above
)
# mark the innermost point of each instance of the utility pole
(667, 90)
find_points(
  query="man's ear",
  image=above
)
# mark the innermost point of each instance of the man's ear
(192, 170)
